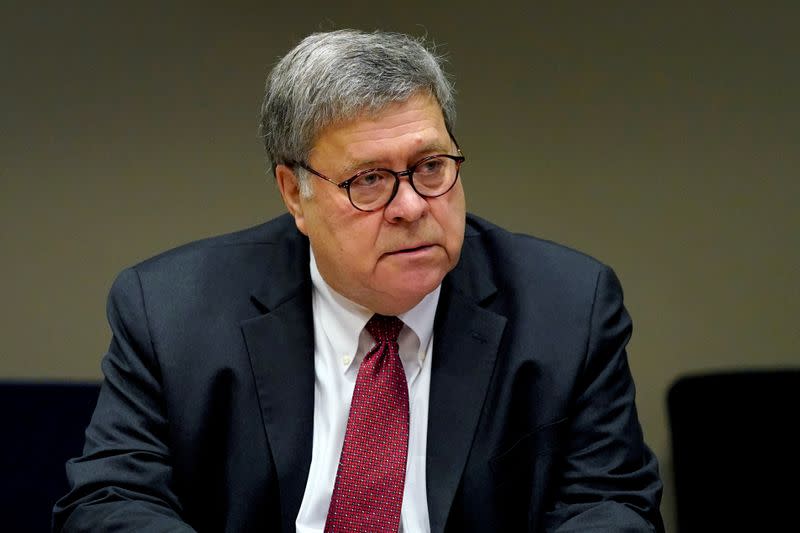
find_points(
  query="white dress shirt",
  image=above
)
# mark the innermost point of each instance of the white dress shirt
(340, 343)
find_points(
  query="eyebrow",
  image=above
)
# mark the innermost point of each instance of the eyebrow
(432, 147)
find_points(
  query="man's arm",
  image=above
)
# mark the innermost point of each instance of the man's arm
(609, 479)
(123, 480)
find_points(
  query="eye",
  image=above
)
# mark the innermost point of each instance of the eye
(430, 166)
(370, 180)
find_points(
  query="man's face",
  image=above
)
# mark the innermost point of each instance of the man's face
(386, 260)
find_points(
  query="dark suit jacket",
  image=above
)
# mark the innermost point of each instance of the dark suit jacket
(205, 415)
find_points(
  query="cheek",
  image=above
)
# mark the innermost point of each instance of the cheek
(334, 225)
(356, 241)
(326, 235)
(453, 220)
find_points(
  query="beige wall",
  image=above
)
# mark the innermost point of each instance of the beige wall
(662, 140)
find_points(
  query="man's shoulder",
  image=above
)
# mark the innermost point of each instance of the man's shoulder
(222, 267)
(513, 249)
(524, 267)
(278, 231)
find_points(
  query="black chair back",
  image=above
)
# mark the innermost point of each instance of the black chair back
(736, 450)
(43, 425)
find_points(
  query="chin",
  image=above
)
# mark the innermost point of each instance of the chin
(411, 293)
(399, 305)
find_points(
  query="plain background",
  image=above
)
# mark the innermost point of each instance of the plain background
(660, 138)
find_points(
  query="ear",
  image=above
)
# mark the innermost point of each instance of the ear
(290, 191)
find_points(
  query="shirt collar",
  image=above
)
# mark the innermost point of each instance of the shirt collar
(343, 320)
(420, 319)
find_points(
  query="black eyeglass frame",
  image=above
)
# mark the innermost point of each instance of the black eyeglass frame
(459, 159)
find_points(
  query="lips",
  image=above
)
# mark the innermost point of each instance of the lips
(412, 249)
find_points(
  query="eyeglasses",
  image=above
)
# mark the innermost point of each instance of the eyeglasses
(375, 188)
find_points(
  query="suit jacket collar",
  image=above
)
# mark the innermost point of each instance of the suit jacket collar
(281, 347)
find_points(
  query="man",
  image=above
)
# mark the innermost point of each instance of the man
(376, 360)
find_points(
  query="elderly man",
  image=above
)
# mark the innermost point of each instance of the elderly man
(376, 360)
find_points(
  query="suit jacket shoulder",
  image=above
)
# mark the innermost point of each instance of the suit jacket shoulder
(515, 262)
(238, 274)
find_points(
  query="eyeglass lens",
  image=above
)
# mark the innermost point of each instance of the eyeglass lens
(431, 177)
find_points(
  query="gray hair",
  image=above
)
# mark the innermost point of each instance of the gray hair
(334, 76)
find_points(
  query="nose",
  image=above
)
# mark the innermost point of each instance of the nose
(407, 205)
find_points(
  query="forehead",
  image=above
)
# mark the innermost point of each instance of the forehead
(401, 130)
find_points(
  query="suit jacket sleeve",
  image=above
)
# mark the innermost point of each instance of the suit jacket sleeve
(609, 479)
(123, 480)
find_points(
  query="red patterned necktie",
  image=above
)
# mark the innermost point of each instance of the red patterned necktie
(368, 492)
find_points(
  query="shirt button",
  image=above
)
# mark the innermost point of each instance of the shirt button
(346, 360)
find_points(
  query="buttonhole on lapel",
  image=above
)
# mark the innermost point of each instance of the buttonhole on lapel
(478, 337)
(261, 307)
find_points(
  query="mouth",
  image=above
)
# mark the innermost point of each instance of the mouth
(415, 249)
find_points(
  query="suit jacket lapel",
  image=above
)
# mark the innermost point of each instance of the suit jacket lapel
(466, 340)
(281, 347)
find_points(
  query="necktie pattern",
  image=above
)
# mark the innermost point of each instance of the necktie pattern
(368, 492)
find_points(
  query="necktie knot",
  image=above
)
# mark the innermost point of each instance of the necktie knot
(384, 328)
